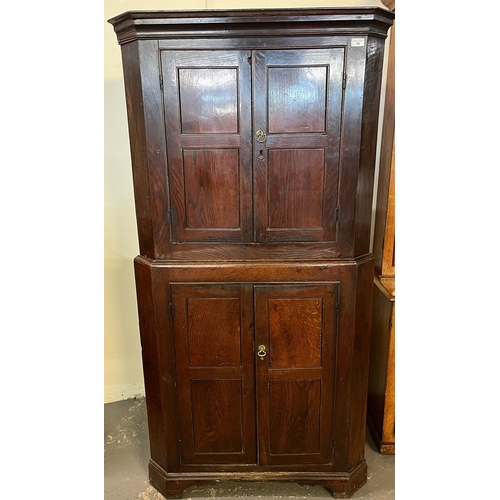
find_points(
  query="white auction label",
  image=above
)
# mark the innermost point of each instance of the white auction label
(357, 42)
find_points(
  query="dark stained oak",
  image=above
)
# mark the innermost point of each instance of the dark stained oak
(295, 330)
(209, 153)
(366, 161)
(213, 111)
(341, 485)
(253, 136)
(297, 99)
(293, 23)
(213, 338)
(360, 358)
(150, 360)
(294, 175)
(217, 416)
(298, 103)
(214, 331)
(303, 302)
(242, 92)
(294, 390)
(295, 420)
(211, 184)
(147, 146)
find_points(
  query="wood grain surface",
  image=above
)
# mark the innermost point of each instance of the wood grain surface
(295, 381)
(295, 332)
(214, 363)
(253, 136)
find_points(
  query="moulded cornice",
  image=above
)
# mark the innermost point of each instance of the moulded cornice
(144, 25)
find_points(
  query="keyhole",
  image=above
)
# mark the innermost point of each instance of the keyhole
(261, 154)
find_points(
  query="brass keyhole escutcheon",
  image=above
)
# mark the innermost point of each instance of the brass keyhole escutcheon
(261, 136)
(262, 352)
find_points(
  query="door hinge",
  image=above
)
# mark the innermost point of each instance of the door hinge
(250, 58)
(343, 80)
(170, 216)
(333, 443)
(338, 307)
(161, 82)
(171, 309)
(337, 213)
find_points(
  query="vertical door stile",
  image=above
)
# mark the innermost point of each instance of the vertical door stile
(261, 369)
(245, 150)
(259, 93)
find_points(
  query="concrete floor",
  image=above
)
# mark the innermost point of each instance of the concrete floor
(126, 456)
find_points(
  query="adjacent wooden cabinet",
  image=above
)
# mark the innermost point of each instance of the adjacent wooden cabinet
(253, 136)
(381, 382)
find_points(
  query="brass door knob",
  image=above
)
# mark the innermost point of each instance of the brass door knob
(260, 136)
(262, 352)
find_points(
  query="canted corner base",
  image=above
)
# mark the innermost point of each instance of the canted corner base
(340, 484)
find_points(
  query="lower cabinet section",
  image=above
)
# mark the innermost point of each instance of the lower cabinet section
(256, 372)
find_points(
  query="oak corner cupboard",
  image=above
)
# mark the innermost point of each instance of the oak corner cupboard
(253, 137)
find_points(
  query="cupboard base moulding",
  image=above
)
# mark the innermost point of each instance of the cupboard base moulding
(340, 484)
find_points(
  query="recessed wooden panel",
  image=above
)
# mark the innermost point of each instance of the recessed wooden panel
(212, 188)
(214, 370)
(209, 100)
(295, 416)
(295, 322)
(214, 333)
(295, 188)
(295, 328)
(213, 401)
(297, 99)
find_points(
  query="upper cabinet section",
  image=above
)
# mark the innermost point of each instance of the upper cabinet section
(253, 133)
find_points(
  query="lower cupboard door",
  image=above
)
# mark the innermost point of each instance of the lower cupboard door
(213, 336)
(295, 332)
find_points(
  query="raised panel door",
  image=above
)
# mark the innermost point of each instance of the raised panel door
(297, 112)
(213, 338)
(208, 126)
(295, 334)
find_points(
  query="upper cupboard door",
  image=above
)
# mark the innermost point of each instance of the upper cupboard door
(297, 117)
(208, 125)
